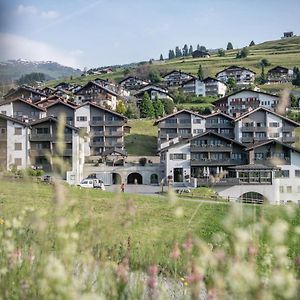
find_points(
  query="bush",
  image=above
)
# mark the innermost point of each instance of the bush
(143, 161)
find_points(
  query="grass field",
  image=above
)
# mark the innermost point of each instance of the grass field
(86, 241)
(142, 140)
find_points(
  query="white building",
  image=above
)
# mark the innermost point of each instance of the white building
(194, 86)
(241, 75)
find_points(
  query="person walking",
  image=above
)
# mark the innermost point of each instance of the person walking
(122, 187)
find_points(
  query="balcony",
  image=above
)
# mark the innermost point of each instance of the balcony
(289, 139)
(233, 181)
(254, 128)
(97, 144)
(168, 135)
(271, 161)
(39, 152)
(218, 125)
(97, 123)
(113, 133)
(247, 139)
(288, 128)
(96, 133)
(67, 138)
(40, 137)
(168, 125)
(213, 162)
(184, 125)
(113, 123)
(211, 148)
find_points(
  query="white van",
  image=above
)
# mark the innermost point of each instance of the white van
(92, 184)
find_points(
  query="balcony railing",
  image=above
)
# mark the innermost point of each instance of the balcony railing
(247, 139)
(234, 181)
(106, 123)
(218, 125)
(254, 128)
(216, 162)
(210, 148)
(113, 133)
(96, 144)
(168, 135)
(289, 139)
(34, 137)
(288, 129)
(40, 152)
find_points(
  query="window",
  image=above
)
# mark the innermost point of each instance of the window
(274, 134)
(18, 162)
(177, 156)
(18, 131)
(184, 121)
(44, 130)
(289, 189)
(282, 174)
(236, 156)
(98, 118)
(173, 121)
(297, 173)
(281, 189)
(273, 124)
(2, 130)
(84, 118)
(18, 146)
(198, 131)
(259, 156)
(197, 121)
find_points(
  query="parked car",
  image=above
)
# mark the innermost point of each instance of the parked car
(92, 184)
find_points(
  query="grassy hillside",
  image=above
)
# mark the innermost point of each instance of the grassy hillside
(142, 140)
(280, 52)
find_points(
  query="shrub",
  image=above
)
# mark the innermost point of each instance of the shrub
(143, 161)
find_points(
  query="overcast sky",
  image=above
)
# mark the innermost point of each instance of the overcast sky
(92, 33)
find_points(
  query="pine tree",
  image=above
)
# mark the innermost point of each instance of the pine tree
(296, 81)
(191, 50)
(198, 47)
(252, 44)
(263, 78)
(171, 54)
(161, 57)
(185, 50)
(158, 107)
(146, 107)
(229, 46)
(178, 52)
(200, 73)
(121, 108)
(203, 48)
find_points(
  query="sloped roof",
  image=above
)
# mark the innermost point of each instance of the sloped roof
(235, 67)
(176, 113)
(266, 142)
(50, 118)
(99, 86)
(13, 120)
(60, 101)
(220, 113)
(176, 71)
(23, 101)
(114, 150)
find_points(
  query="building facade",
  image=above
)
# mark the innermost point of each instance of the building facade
(241, 75)
(176, 78)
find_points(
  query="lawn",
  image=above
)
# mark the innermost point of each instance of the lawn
(59, 240)
(142, 139)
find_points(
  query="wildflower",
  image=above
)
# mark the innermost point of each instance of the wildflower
(152, 280)
(252, 250)
(2, 221)
(195, 276)
(188, 244)
(175, 252)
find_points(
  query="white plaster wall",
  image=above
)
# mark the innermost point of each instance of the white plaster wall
(8, 108)
(200, 126)
(199, 88)
(273, 118)
(84, 111)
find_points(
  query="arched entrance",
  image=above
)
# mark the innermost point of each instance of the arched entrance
(154, 179)
(252, 197)
(116, 178)
(134, 178)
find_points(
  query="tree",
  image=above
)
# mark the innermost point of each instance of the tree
(132, 111)
(126, 71)
(185, 50)
(161, 57)
(191, 50)
(198, 47)
(229, 46)
(31, 78)
(203, 48)
(243, 53)
(294, 101)
(178, 52)
(158, 107)
(121, 108)
(264, 62)
(168, 106)
(146, 107)
(221, 52)
(252, 44)
(231, 83)
(296, 80)
(263, 77)
(171, 54)
(200, 73)
(154, 76)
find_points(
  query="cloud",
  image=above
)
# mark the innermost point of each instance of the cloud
(15, 47)
(33, 10)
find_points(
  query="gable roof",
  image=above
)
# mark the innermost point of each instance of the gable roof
(99, 86)
(114, 150)
(23, 101)
(214, 79)
(201, 135)
(26, 88)
(13, 120)
(269, 111)
(244, 90)
(176, 71)
(102, 108)
(235, 67)
(278, 67)
(50, 118)
(60, 101)
(176, 113)
(266, 142)
(142, 91)
(220, 113)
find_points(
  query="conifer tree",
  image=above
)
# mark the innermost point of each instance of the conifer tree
(146, 107)
(158, 107)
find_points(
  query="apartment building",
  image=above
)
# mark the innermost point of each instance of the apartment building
(263, 124)
(14, 143)
(95, 92)
(103, 128)
(45, 145)
(62, 108)
(25, 92)
(214, 87)
(194, 86)
(183, 124)
(132, 83)
(153, 92)
(241, 75)
(241, 101)
(280, 74)
(220, 123)
(22, 109)
(176, 78)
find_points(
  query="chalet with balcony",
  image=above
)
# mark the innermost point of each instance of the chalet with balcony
(153, 92)
(263, 124)
(22, 110)
(132, 83)
(220, 123)
(200, 54)
(13, 143)
(183, 124)
(62, 108)
(244, 100)
(280, 75)
(176, 78)
(241, 75)
(45, 145)
(94, 92)
(214, 87)
(26, 93)
(104, 128)
(194, 86)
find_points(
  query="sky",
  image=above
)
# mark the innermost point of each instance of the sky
(94, 33)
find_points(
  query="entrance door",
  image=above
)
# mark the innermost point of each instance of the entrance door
(178, 174)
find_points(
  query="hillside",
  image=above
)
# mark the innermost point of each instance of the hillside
(279, 52)
(14, 69)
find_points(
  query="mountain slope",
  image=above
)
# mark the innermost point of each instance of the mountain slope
(14, 69)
